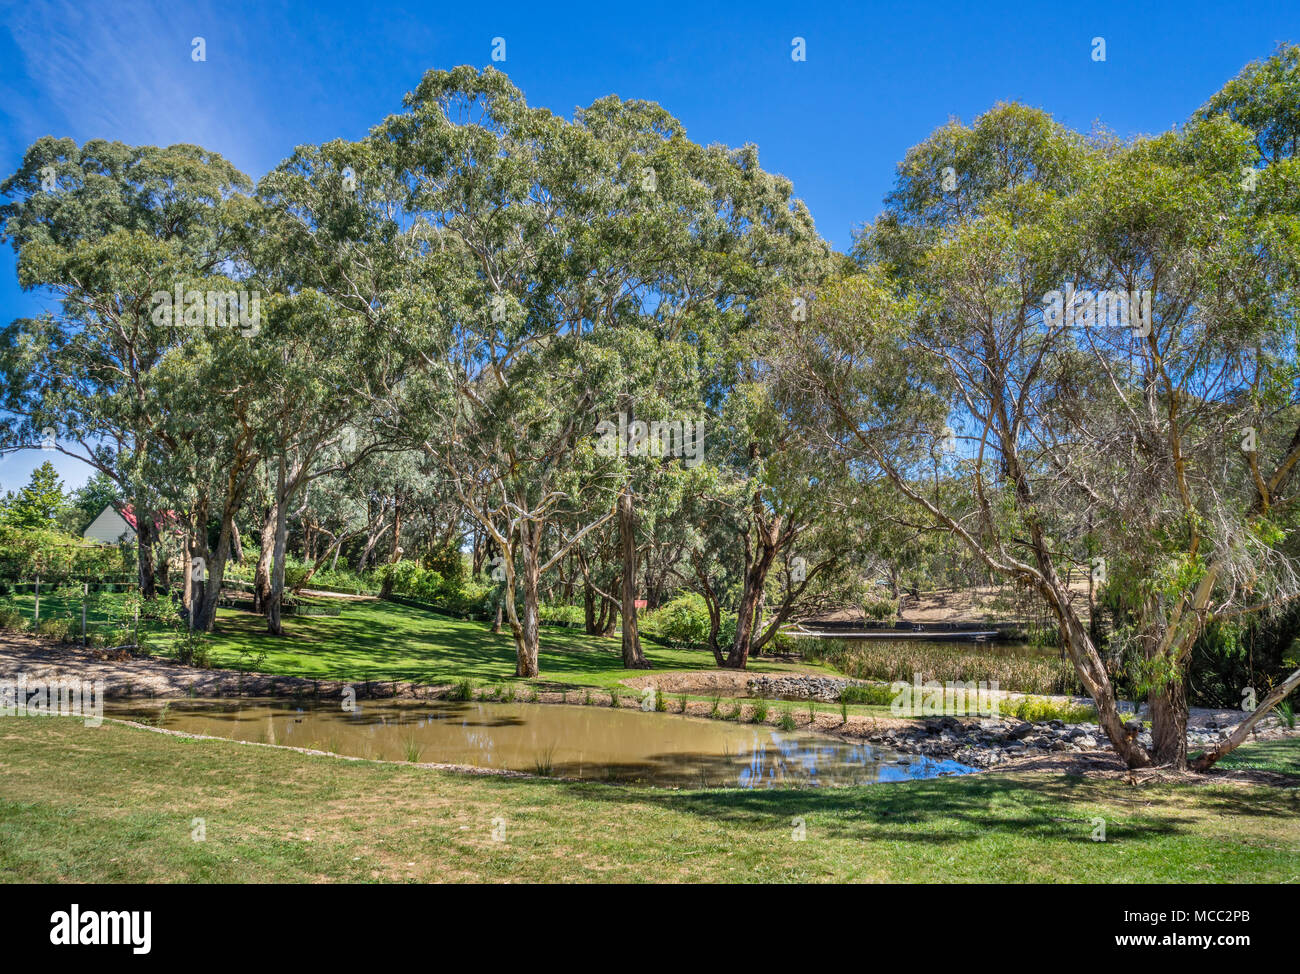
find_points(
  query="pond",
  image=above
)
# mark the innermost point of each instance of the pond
(592, 743)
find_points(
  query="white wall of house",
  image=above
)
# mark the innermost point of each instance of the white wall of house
(109, 528)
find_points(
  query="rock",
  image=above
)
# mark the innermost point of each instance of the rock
(1020, 731)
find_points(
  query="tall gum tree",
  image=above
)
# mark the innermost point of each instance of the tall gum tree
(542, 239)
(1120, 437)
(104, 226)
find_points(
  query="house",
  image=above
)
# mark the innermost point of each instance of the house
(114, 526)
(111, 526)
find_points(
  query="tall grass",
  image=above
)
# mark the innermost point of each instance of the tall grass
(898, 659)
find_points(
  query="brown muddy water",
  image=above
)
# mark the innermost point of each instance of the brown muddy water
(592, 743)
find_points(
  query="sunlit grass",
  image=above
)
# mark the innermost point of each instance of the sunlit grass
(279, 816)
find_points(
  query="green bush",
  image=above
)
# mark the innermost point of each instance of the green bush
(11, 618)
(28, 552)
(411, 580)
(880, 609)
(566, 614)
(60, 629)
(1039, 709)
(876, 694)
(682, 622)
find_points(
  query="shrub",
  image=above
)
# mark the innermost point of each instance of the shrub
(192, 648)
(760, 711)
(1286, 713)
(682, 622)
(567, 614)
(786, 721)
(12, 618)
(880, 609)
(1039, 709)
(876, 694)
(60, 629)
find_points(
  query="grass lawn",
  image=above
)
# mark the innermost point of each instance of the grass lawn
(387, 641)
(117, 804)
(1283, 756)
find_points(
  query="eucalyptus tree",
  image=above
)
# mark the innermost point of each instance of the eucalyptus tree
(779, 502)
(326, 242)
(544, 245)
(205, 391)
(104, 227)
(1103, 327)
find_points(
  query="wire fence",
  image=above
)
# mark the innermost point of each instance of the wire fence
(98, 612)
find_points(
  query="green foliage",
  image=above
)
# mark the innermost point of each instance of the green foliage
(880, 609)
(40, 503)
(568, 615)
(684, 621)
(462, 690)
(786, 721)
(193, 648)
(412, 580)
(1286, 713)
(28, 552)
(760, 711)
(1039, 709)
(12, 618)
(875, 694)
(60, 629)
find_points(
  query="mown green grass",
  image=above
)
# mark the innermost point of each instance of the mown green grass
(386, 641)
(118, 804)
(1282, 756)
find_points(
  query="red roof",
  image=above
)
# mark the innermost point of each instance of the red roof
(128, 515)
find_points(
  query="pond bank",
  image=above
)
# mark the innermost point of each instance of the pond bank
(1006, 744)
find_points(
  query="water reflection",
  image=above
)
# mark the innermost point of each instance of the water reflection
(591, 743)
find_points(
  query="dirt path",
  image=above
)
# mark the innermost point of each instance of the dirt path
(124, 675)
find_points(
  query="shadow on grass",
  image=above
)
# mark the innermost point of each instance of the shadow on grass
(386, 641)
(946, 810)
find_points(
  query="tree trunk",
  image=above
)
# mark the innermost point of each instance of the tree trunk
(608, 612)
(1169, 725)
(1239, 733)
(757, 649)
(397, 533)
(756, 570)
(589, 610)
(273, 623)
(206, 615)
(236, 546)
(633, 657)
(144, 535)
(524, 630)
(262, 576)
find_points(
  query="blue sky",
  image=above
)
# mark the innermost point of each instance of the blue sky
(878, 78)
